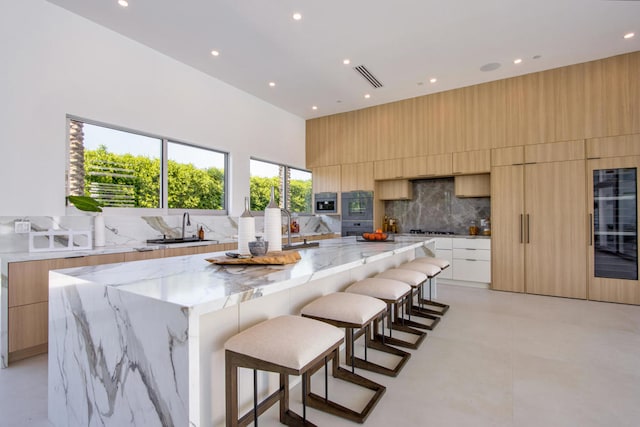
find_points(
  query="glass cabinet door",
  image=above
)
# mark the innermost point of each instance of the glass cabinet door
(614, 221)
(613, 242)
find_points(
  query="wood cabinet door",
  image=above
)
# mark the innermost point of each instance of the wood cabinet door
(326, 179)
(388, 169)
(613, 219)
(398, 189)
(357, 176)
(466, 162)
(473, 185)
(507, 233)
(556, 229)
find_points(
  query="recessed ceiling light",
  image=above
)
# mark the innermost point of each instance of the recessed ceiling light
(297, 16)
(346, 61)
(272, 84)
(215, 53)
(367, 96)
(420, 83)
(123, 3)
(629, 35)
(433, 80)
(537, 57)
(517, 61)
(314, 107)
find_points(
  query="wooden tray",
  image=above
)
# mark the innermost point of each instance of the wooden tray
(270, 258)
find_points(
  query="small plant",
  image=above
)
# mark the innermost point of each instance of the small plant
(85, 203)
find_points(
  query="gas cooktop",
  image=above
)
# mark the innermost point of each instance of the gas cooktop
(431, 232)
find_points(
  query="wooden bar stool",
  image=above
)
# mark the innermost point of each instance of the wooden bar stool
(443, 264)
(416, 280)
(356, 313)
(395, 294)
(286, 345)
(428, 306)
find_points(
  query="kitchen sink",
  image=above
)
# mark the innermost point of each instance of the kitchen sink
(173, 240)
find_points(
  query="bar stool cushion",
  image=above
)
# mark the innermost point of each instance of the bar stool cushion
(385, 289)
(345, 307)
(429, 269)
(410, 277)
(289, 341)
(440, 262)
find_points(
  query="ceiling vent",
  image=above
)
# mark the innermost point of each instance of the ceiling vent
(362, 70)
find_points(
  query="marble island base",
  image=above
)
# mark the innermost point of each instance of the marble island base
(141, 343)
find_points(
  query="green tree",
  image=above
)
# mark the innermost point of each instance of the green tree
(260, 190)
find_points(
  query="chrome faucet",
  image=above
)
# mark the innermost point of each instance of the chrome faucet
(185, 216)
(288, 214)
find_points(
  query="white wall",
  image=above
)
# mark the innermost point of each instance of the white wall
(56, 63)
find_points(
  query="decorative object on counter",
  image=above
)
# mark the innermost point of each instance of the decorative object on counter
(258, 247)
(473, 229)
(273, 223)
(485, 227)
(89, 204)
(272, 258)
(201, 233)
(44, 241)
(378, 236)
(246, 229)
(295, 227)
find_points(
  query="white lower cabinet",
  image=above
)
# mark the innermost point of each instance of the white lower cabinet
(472, 260)
(444, 250)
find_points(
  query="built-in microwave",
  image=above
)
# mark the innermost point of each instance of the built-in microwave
(326, 203)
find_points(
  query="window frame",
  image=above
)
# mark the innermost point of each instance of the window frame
(286, 185)
(164, 185)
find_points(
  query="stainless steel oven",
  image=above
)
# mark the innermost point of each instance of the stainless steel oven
(357, 206)
(357, 212)
(326, 203)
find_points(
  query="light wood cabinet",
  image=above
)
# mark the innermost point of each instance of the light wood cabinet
(507, 156)
(554, 152)
(388, 169)
(138, 256)
(613, 146)
(28, 289)
(539, 216)
(399, 189)
(507, 228)
(357, 176)
(471, 162)
(326, 179)
(473, 185)
(428, 166)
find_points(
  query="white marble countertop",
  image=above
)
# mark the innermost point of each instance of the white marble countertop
(192, 282)
(6, 257)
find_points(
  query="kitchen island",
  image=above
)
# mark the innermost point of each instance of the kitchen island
(142, 342)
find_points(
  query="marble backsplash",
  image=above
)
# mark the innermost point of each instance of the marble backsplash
(435, 207)
(135, 230)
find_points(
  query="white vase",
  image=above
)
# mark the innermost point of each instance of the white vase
(246, 229)
(273, 224)
(98, 230)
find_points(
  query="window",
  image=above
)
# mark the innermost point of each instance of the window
(124, 169)
(295, 184)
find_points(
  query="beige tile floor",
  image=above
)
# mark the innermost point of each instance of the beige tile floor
(496, 359)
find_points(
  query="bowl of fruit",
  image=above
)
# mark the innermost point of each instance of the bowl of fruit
(378, 236)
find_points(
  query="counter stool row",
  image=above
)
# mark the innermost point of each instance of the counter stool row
(292, 345)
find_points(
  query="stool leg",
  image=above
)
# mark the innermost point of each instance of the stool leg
(231, 380)
(439, 308)
(255, 398)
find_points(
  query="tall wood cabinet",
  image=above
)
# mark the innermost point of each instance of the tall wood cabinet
(539, 228)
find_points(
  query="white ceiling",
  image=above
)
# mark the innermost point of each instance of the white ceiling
(402, 42)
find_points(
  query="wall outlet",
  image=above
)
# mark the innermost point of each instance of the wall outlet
(22, 226)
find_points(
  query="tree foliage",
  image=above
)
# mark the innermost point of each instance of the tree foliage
(135, 181)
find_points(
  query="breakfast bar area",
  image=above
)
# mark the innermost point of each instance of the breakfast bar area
(142, 342)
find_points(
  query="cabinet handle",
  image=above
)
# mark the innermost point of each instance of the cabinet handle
(471, 249)
(521, 228)
(468, 259)
(528, 230)
(590, 229)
